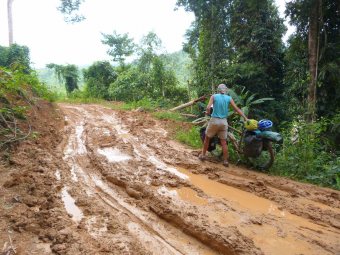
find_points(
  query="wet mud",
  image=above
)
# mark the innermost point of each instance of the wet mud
(113, 182)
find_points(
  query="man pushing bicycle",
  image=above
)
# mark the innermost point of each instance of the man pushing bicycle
(218, 123)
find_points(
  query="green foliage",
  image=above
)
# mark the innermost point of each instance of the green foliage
(68, 74)
(190, 137)
(207, 42)
(297, 76)
(166, 115)
(246, 100)
(237, 42)
(18, 92)
(306, 155)
(147, 51)
(129, 86)
(155, 82)
(257, 51)
(98, 78)
(69, 8)
(121, 46)
(15, 55)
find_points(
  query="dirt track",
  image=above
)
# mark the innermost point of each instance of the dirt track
(119, 185)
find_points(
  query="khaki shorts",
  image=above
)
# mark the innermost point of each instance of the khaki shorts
(217, 126)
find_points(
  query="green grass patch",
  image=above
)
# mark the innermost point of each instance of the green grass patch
(164, 115)
(189, 137)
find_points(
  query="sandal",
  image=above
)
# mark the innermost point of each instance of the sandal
(225, 163)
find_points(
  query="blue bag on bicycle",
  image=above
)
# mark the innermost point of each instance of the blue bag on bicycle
(272, 136)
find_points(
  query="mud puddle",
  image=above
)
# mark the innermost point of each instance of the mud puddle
(70, 206)
(285, 236)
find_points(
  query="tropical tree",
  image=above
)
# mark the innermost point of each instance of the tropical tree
(207, 44)
(256, 59)
(238, 43)
(149, 46)
(121, 46)
(98, 78)
(15, 55)
(69, 8)
(68, 74)
(129, 85)
(318, 29)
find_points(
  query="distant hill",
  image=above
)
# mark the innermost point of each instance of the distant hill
(181, 63)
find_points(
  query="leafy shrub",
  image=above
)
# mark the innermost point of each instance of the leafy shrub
(18, 93)
(306, 155)
(129, 86)
(15, 55)
(98, 78)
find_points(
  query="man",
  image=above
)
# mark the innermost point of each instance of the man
(218, 123)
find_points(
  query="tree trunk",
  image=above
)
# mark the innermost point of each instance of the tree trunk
(10, 22)
(313, 35)
(212, 44)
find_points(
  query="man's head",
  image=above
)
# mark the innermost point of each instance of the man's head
(222, 88)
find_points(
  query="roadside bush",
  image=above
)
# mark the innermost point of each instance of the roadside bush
(307, 155)
(15, 55)
(18, 93)
(129, 86)
(177, 94)
(98, 78)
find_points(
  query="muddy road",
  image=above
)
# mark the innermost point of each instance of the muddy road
(121, 186)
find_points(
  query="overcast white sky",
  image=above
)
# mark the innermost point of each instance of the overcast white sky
(41, 27)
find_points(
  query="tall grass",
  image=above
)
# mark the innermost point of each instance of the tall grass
(189, 137)
(166, 115)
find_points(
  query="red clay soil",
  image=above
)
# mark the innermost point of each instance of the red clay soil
(99, 181)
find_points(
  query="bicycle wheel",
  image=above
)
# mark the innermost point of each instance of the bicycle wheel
(266, 159)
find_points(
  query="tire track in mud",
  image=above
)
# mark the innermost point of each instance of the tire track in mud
(136, 222)
(123, 169)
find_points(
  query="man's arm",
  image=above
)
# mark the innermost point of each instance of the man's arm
(211, 101)
(238, 110)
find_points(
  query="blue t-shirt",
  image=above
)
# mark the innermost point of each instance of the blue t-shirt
(221, 106)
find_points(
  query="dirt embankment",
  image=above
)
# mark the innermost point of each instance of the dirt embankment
(98, 181)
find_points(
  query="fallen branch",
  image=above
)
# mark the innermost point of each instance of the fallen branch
(236, 130)
(202, 98)
(16, 139)
(189, 115)
(201, 120)
(8, 249)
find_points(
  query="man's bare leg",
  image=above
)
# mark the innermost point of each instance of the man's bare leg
(225, 151)
(205, 147)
